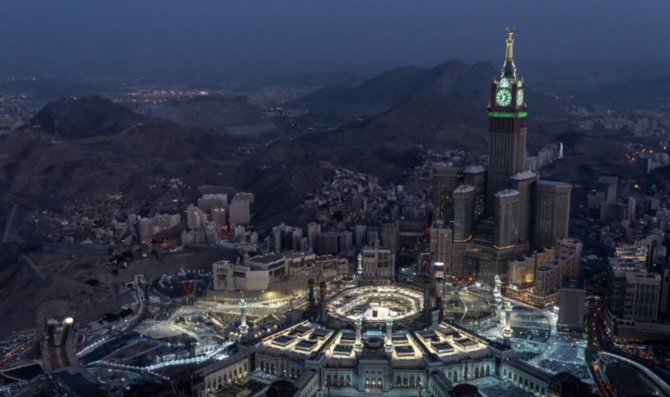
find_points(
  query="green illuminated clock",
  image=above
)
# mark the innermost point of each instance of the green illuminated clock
(504, 83)
(519, 98)
(503, 97)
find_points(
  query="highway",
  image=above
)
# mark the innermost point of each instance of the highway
(594, 322)
(599, 344)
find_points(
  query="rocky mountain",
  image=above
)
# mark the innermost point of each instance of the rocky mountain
(84, 117)
(453, 83)
(91, 147)
(388, 144)
(390, 119)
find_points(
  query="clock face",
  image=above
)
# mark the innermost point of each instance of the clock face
(519, 98)
(503, 97)
(504, 83)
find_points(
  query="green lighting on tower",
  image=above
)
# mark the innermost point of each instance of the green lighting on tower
(508, 114)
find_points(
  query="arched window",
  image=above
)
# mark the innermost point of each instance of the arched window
(411, 381)
(341, 381)
(405, 381)
(272, 368)
(262, 366)
(477, 372)
(379, 383)
(488, 370)
(292, 372)
(504, 373)
(449, 376)
(455, 376)
(348, 380)
(328, 380)
(398, 381)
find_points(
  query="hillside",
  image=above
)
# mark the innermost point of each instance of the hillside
(84, 117)
(452, 83)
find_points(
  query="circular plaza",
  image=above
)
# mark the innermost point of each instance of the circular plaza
(374, 304)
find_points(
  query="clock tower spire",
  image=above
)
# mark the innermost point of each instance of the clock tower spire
(507, 126)
(509, 70)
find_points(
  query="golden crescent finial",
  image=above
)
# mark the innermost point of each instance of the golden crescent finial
(510, 32)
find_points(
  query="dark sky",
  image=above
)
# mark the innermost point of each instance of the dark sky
(248, 36)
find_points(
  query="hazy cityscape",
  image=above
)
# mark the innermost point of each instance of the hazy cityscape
(309, 199)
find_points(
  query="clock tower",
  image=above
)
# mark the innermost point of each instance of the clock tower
(507, 126)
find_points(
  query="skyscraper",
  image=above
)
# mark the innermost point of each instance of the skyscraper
(506, 218)
(464, 211)
(643, 292)
(146, 227)
(525, 183)
(571, 304)
(390, 236)
(445, 180)
(475, 175)
(239, 212)
(552, 212)
(507, 126)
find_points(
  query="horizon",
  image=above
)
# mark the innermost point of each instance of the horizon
(298, 37)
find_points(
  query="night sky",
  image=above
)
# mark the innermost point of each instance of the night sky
(284, 36)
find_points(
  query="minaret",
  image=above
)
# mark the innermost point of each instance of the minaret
(439, 298)
(358, 345)
(312, 300)
(67, 327)
(52, 323)
(389, 334)
(360, 268)
(427, 304)
(322, 299)
(243, 321)
(507, 330)
(496, 291)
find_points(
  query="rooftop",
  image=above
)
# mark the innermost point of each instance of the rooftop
(573, 282)
(474, 169)
(463, 189)
(507, 193)
(554, 183)
(523, 175)
(267, 259)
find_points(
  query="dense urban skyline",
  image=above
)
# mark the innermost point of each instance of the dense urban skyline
(453, 230)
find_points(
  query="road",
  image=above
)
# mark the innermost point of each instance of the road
(599, 343)
(594, 322)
